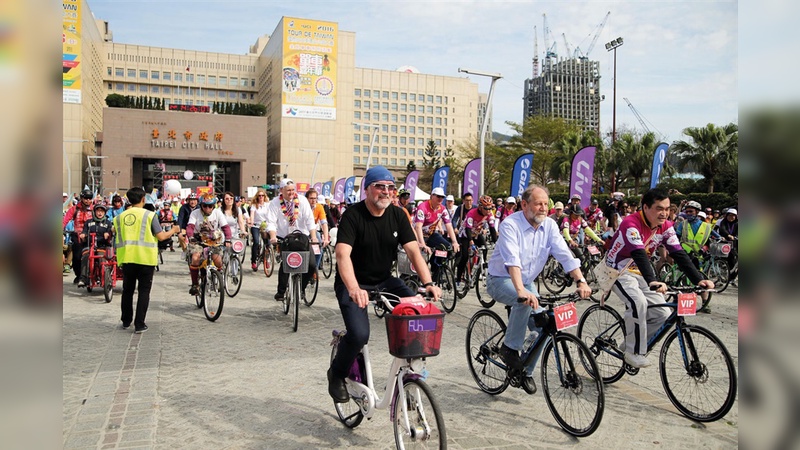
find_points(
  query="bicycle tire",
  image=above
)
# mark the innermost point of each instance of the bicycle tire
(214, 296)
(295, 307)
(349, 413)
(233, 273)
(709, 366)
(327, 262)
(465, 284)
(602, 329)
(553, 276)
(412, 282)
(719, 273)
(269, 260)
(446, 282)
(576, 398)
(485, 334)
(419, 404)
(480, 283)
(199, 298)
(108, 277)
(287, 296)
(315, 288)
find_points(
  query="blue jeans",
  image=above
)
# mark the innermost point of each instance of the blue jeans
(502, 290)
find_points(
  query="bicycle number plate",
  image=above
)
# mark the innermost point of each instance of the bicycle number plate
(593, 250)
(440, 253)
(687, 304)
(315, 248)
(566, 316)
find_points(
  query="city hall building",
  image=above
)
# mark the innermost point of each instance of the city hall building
(323, 114)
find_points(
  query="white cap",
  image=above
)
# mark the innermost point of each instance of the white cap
(438, 191)
(65, 194)
(732, 211)
(285, 182)
(511, 200)
(320, 198)
(701, 215)
(334, 202)
(450, 198)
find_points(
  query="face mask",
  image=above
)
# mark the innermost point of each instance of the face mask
(691, 218)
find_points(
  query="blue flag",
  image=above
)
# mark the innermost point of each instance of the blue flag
(326, 189)
(349, 186)
(658, 163)
(522, 174)
(440, 178)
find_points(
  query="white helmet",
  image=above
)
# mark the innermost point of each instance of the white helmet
(693, 204)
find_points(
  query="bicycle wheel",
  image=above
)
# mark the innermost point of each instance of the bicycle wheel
(233, 276)
(591, 280)
(108, 277)
(269, 260)
(287, 296)
(553, 276)
(297, 288)
(703, 386)
(480, 284)
(309, 300)
(412, 282)
(576, 396)
(603, 331)
(423, 425)
(327, 262)
(464, 285)
(719, 273)
(446, 282)
(349, 413)
(214, 295)
(199, 298)
(485, 334)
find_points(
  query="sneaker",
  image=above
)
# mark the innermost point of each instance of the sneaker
(172, 250)
(529, 384)
(140, 330)
(337, 388)
(279, 297)
(76, 279)
(706, 310)
(638, 361)
(511, 357)
(125, 326)
(254, 266)
(81, 284)
(194, 290)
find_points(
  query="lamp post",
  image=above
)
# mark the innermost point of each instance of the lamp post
(375, 129)
(116, 173)
(316, 159)
(613, 45)
(213, 169)
(485, 122)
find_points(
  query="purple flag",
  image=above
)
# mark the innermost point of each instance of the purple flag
(338, 191)
(582, 173)
(411, 183)
(318, 187)
(472, 177)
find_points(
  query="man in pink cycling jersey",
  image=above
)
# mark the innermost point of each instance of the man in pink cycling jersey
(427, 218)
(471, 231)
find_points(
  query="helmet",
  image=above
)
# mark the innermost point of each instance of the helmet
(403, 192)
(578, 211)
(486, 202)
(191, 196)
(99, 206)
(87, 194)
(208, 199)
(693, 204)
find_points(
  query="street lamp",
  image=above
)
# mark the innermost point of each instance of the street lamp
(316, 159)
(116, 173)
(613, 45)
(255, 179)
(372, 140)
(485, 122)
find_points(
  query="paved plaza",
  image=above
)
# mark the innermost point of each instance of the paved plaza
(247, 381)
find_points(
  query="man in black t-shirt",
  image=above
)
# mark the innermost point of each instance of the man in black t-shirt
(366, 247)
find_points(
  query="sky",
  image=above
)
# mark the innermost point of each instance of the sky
(678, 65)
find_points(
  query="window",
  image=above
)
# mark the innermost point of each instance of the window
(243, 95)
(120, 86)
(252, 82)
(394, 128)
(429, 130)
(119, 71)
(394, 95)
(212, 80)
(178, 77)
(385, 106)
(412, 119)
(412, 130)
(189, 102)
(420, 119)
(166, 90)
(438, 121)
(356, 148)
(394, 117)
(421, 98)
(357, 137)
(385, 117)
(402, 151)
(421, 151)
(429, 120)
(403, 96)
(356, 159)
(438, 142)
(366, 114)
(109, 71)
(393, 161)
(385, 128)
(438, 131)
(190, 78)
(402, 141)
(131, 87)
(142, 88)
(201, 79)
(430, 99)
(357, 104)
(384, 140)
(234, 81)
(357, 93)
(167, 76)
(403, 107)
(412, 97)
(357, 115)
(231, 94)
(154, 89)
(223, 81)
(393, 140)
(154, 74)
(142, 74)
(429, 109)
(385, 94)
(131, 73)
(384, 161)
(243, 82)
(402, 161)
(366, 93)
(438, 110)
(394, 106)
(376, 105)
(439, 99)
(365, 137)
(366, 104)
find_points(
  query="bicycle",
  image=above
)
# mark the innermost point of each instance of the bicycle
(296, 264)
(211, 295)
(700, 370)
(555, 279)
(232, 266)
(326, 264)
(440, 263)
(414, 412)
(714, 264)
(672, 275)
(576, 396)
(475, 276)
(103, 269)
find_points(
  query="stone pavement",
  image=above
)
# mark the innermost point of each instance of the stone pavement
(247, 381)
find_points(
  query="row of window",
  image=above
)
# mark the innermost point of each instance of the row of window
(180, 62)
(384, 161)
(178, 77)
(422, 98)
(402, 107)
(402, 118)
(402, 139)
(180, 90)
(402, 151)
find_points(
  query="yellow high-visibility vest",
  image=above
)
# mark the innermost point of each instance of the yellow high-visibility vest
(691, 241)
(133, 238)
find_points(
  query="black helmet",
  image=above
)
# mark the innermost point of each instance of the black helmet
(87, 194)
(99, 206)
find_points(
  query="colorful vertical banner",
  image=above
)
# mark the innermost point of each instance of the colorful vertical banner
(71, 51)
(326, 188)
(338, 190)
(580, 182)
(440, 177)
(472, 177)
(310, 61)
(318, 187)
(521, 175)
(349, 187)
(411, 183)
(658, 163)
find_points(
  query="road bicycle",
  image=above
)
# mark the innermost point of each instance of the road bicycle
(441, 264)
(475, 276)
(573, 393)
(696, 370)
(414, 412)
(555, 279)
(165, 244)
(211, 295)
(232, 266)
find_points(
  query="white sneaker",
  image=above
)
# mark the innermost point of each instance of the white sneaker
(638, 361)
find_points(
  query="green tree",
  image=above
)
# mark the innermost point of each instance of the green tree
(712, 150)
(566, 149)
(431, 160)
(539, 134)
(115, 101)
(634, 156)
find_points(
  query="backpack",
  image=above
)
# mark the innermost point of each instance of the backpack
(295, 241)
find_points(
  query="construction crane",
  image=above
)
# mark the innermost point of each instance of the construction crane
(550, 51)
(566, 46)
(641, 119)
(585, 55)
(535, 53)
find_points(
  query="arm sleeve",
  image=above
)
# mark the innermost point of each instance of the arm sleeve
(686, 265)
(642, 262)
(591, 234)
(272, 218)
(68, 216)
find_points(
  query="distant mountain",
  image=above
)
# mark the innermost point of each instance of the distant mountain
(500, 137)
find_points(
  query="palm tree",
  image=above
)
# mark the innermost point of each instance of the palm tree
(712, 150)
(565, 151)
(634, 155)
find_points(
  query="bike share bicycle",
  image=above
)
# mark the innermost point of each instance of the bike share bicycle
(296, 264)
(414, 412)
(103, 269)
(211, 294)
(574, 394)
(696, 370)
(475, 276)
(232, 266)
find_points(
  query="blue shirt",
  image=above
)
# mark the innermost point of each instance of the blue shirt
(521, 245)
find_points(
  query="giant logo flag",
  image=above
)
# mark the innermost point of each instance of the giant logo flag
(658, 163)
(522, 174)
(326, 189)
(349, 187)
(472, 177)
(411, 183)
(338, 191)
(580, 182)
(440, 177)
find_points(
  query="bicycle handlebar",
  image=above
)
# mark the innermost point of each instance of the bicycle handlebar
(552, 299)
(386, 298)
(675, 290)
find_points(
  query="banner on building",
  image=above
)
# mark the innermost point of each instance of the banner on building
(310, 61)
(580, 182)
(521, 175)
(338, 191)
(440, 177)
(71, 51)
(658, 163)
(472, 177)
(411, 183)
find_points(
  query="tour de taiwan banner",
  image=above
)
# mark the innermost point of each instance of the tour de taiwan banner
(326, 189)
(411, 183)
(522, 174)
(338, 191)
(440, 177)
(310, 61)
(580, 182)
(71, 51)
(349, 187)
(472, 177)
(658, 163)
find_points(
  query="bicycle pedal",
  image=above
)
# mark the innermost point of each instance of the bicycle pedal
(630, 370)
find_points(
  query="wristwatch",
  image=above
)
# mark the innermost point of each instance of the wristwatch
(429, 283)
(582, 280)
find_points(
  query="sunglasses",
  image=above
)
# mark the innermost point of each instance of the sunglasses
(384, 187)
(206, 206)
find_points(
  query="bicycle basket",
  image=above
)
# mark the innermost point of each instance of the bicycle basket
(237, 245)
(295, 261)
(719, 249)
(404, 264)
(414, 336)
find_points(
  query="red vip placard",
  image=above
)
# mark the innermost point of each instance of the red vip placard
(566, 316)
(687, 304)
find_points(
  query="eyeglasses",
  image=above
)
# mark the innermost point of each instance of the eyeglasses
(206, 206)
(384, 187)
(312, 198)
(261, 195)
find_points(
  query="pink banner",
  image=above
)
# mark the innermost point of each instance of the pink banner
(411, 183)
(582, 174)
(472, 177)
(338, 190)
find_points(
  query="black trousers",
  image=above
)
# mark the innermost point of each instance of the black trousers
(77, 253)
(133, 275)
